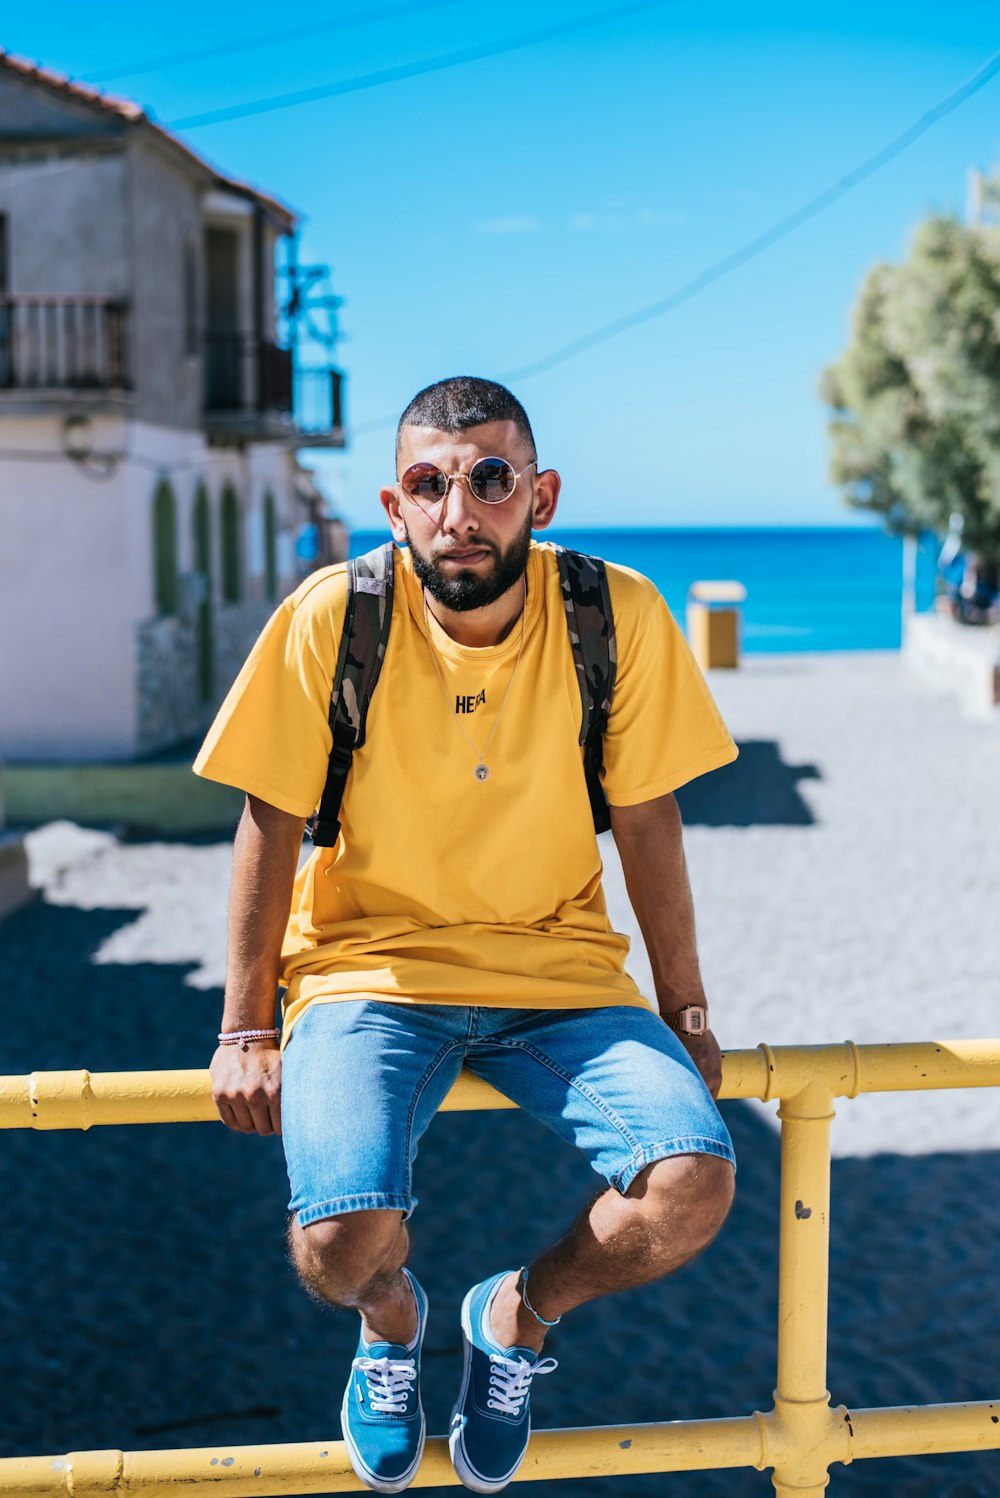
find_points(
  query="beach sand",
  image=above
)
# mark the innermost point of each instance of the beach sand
(845, 874)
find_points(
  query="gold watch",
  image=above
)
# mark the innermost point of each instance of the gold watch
(692, 1020)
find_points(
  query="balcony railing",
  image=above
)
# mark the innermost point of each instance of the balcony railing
(319, 400)
(243, 373)
(63, 343)
(247, 378)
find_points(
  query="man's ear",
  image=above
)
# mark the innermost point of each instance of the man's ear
(543, 509)
(391, 506)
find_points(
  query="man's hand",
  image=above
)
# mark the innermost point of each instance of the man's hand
(707, 1057)
(246, 1087)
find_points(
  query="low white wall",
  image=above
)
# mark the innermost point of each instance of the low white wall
(962, 659)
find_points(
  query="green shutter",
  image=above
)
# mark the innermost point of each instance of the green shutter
(270, 546)
(203, 565)
(166, 584)
(232, 546)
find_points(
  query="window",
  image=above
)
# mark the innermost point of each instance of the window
(166, 584)
(232, 546)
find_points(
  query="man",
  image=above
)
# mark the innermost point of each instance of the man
(460, 920)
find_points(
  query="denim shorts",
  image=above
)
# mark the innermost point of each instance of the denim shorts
(362, 1079)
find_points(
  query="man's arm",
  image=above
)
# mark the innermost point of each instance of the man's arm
(649, 841)
(246, 1085)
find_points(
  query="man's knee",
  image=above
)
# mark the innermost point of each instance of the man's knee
(694, 1190)
(341, 1255)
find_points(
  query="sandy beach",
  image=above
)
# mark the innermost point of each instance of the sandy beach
(845, 871)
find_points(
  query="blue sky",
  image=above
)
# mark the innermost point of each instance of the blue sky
(478, 218)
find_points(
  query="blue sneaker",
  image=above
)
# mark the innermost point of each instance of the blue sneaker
(491, 1422)
(382, 1417)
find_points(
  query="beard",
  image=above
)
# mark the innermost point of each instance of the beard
(464, 591)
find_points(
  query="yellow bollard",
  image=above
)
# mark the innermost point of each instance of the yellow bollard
(713, 624)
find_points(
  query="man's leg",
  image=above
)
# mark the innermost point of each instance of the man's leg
(357, 1261)
(619, 1085)
(671, 1211)
(360, 1082)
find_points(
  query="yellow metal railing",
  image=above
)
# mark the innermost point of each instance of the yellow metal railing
(799, 1438)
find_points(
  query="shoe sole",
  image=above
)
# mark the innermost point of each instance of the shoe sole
(361, 1470)
(459, 1459)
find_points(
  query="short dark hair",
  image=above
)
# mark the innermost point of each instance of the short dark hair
(465, 401)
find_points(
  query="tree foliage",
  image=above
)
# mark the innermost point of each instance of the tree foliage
(915, 397)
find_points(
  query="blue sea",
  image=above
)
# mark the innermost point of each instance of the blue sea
(807, 588)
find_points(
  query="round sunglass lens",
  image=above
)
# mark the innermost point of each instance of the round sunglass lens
(492, 480)
(424, 483)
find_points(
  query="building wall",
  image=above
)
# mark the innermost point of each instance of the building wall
(65, 222)
(164, 216)
(29, 112)
(66, 667)
(89, 669)
(117, 223)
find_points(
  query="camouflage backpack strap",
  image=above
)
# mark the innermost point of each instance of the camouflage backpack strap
(591, 625)
(362, 649)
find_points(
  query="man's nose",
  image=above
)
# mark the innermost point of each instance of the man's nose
(459, 509)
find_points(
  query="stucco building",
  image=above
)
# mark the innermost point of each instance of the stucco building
(152, 505)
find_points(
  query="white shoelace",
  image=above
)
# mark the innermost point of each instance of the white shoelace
(510, 1381)
(389, 1380)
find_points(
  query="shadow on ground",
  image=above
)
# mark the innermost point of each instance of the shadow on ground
(758, 789)
(147, 1302)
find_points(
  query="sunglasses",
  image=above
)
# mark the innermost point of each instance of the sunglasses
(491, 480)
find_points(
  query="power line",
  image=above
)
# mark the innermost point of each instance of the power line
(747, 252)
(762, 242)
(267, 39)
(408, 70)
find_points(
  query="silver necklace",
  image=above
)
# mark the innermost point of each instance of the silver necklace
(482, 770)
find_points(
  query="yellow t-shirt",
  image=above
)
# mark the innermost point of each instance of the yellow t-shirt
(443, 889)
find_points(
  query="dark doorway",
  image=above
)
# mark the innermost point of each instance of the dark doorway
(223, 352)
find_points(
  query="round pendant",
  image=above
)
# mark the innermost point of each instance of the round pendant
(482, 772)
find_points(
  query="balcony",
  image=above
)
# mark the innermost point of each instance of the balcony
(319, 405)
(61, 344)
(253, 390)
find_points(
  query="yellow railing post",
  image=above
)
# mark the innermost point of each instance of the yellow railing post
(802, 1415)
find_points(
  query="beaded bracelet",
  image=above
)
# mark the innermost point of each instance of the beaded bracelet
(242, 1038)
